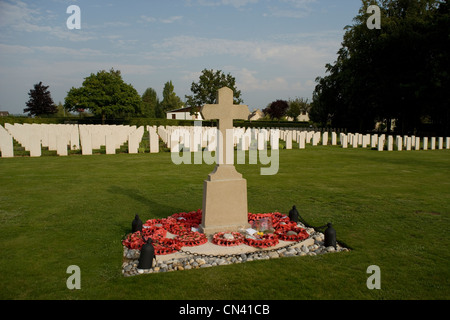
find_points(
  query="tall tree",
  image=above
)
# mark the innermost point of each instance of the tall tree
(170, 100)
(400, 71)
(41, 102)
(61, 112)
(150, 103)
(205, 90)
(277, 109)
(105, 94)
(297, 106)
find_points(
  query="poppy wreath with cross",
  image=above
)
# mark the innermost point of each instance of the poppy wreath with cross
(161, 223)
(237, 240)
(166, 246)
(183, 222)
(192, 217)
(134, 241)
(153, 232)
(191, 239)
(266, 241)
(300, 235)
(180, 228)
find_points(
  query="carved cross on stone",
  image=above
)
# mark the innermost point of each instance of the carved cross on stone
(225, 191)
(225, 111)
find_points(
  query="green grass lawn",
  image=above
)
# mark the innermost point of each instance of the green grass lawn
(391, 208)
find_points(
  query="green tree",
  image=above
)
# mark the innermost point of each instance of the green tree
(61, 112)
(40, 102)
(297, 106)
(277, 109)
(170, 100)
(150, 103)
(400, 71)
(105, 94)
(205, 90)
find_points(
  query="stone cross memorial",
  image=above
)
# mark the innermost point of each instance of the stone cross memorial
(224, 191)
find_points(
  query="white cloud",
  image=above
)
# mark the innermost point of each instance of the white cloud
(234, 3)
(247, 81)
(291, 9)
(299, 55)
(250, 80)
(171, 19)
(64, 51)
(17, 16)
(7, 49)
(148, 19)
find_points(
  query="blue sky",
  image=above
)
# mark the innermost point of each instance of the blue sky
(274, 49)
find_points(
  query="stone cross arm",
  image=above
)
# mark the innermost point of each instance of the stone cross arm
(225, 111)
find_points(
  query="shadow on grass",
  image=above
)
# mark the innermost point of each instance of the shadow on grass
(163, 210)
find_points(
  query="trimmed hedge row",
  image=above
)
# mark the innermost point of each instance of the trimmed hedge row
(147, 121)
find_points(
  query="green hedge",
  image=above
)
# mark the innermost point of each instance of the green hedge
(149, 121)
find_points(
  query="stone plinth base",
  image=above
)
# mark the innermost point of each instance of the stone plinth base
(224, 204)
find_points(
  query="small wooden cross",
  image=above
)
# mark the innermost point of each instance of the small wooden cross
(225, 111)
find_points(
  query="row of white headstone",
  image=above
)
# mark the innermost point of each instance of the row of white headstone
(92, 137)
(200, 137)
(383, 142)
(260, 138)
(355, 140)
(194, 139)
(61, 137)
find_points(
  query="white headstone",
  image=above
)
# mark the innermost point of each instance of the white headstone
(154, 142)
(302, 140)
(390, 143)
(355, 140)
(433, 143)
(441, 143)
(325, 138)
(289, 140)
(425, 143)
(374, 140)
(399, 143)
(344, 141)
(316, 138)
(110, 141)
(74, 138)
(174, 141)
(381, 143)
(134, 139)
(52, 144)
(274, 139)
(360, 138)
(365, 140)
(35, 145)
(6, 143)
(247, 138)
(309, 135)
(408, 143)
(61, 145)
(86, 141)
(261, 141)
(417, 143)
